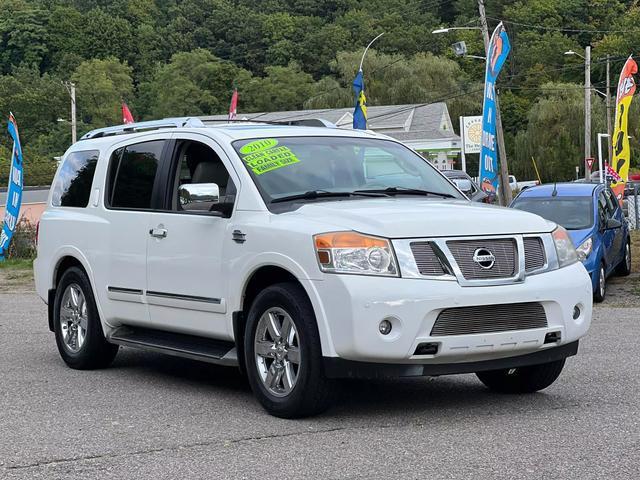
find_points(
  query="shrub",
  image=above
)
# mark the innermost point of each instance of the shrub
(23, 242)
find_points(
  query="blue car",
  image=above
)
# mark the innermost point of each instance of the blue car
(594, 220)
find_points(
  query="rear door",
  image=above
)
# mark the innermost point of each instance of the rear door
(186, 265)
(132, 179)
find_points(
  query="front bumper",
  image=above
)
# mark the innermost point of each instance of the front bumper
(354, 305)
(340, 368)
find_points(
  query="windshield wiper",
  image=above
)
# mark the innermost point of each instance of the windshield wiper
(406, 191)
(313, 194)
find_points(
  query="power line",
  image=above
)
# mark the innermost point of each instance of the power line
(562, 29)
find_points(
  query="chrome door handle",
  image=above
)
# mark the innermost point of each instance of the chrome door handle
(158, 232)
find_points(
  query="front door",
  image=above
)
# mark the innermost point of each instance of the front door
(185, 250)
(608, 235)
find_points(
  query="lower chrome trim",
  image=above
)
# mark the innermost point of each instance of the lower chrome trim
(189, 298)
(131, 291)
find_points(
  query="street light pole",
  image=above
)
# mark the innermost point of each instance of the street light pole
(587, 108)
(609, 115)
(71, 88)
(505, 188)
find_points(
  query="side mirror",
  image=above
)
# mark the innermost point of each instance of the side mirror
(480, 196)
(199, 196)
(613, 223)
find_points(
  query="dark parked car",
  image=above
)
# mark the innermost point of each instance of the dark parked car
(466, 185)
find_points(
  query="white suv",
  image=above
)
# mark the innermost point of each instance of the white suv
(300, 254)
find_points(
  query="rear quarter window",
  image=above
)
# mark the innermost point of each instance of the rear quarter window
(72, 187)
(132, 174)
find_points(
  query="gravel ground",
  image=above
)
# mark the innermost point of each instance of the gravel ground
(151, 416)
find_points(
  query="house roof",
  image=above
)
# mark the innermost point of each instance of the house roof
(402, 122)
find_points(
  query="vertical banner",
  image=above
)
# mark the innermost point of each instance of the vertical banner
(14, 192)
(498, 50)
(621, 150)
(360, 109)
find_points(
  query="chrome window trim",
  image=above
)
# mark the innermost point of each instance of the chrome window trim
(409, 268)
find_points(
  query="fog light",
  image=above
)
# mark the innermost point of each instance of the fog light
(576, 312)
(385, 327)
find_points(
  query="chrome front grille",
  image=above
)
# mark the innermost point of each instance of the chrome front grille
(504, 250)
(489, 319)
(534, 257)
(426, 259)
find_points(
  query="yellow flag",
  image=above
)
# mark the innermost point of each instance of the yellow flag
(621, 150)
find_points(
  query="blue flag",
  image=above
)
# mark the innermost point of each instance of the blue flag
(360, 111)
(14, 192)
(497, 54)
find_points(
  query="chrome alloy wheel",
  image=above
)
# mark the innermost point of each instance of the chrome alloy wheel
(277, 351)
(73, 318)
(602, 281)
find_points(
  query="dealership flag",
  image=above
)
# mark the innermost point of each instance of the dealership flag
(233, 108)
(14, 192)
(621, 151)
(126, 114)
(497, 54)
(360, 111)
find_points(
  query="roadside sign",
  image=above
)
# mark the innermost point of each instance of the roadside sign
(589, 163)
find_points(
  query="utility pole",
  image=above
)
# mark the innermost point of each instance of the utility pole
(505, 189)
(609, 115)
(71, 88)
(587, 108)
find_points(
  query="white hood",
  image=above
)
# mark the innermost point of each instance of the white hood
(411, 217)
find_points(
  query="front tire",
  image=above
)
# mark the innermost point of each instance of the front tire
(522, 379)
(601, 285)
(283, 355)
(624, 268)
(77, 326)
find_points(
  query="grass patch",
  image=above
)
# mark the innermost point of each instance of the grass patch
(16, 274)
(16, 264)
(635, 251)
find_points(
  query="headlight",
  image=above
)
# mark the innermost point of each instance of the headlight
(351, 252)
(584, 249)
(564, 247)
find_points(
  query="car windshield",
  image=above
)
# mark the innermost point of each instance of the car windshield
(309, 168)
(573, 213)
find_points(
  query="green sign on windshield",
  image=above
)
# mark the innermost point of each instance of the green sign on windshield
(264, 156)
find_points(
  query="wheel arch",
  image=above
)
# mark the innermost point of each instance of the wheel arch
(261, 277)
(65, 260)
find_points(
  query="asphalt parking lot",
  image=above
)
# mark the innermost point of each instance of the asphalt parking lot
(151, 416)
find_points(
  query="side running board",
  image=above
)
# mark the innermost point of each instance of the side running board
(178, 344)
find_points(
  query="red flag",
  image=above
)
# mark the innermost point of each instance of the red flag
(233, 108)
(126, 114)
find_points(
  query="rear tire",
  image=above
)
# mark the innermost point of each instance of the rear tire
(522, 379)
(601, 285)
(77, 326)
(624, 268)
(283, 356)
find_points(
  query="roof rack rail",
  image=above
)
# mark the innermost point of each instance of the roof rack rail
(128, 128)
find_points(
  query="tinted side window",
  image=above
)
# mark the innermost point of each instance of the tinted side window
(612, 203)
(133, 174)
(72, 187)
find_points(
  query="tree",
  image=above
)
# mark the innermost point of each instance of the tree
(101, 85)
(23, 36)
(553, 137)
(192, 83)
(284, 88)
